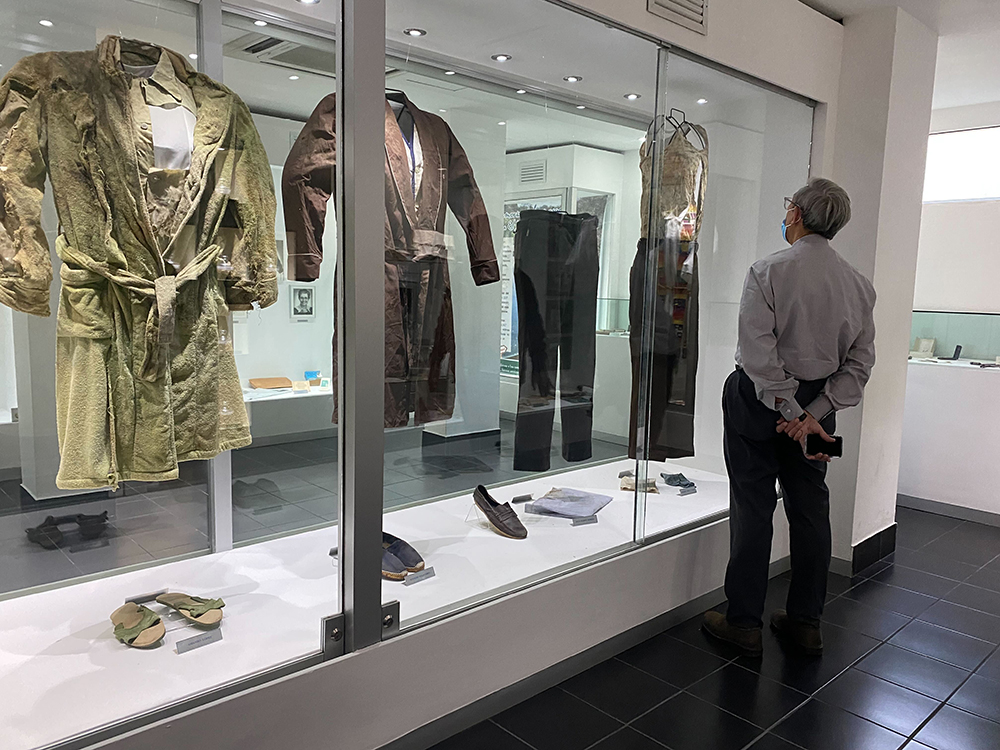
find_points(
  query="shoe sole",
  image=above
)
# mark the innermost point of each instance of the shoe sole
(791, 641)
(743, 649)
(393, 576)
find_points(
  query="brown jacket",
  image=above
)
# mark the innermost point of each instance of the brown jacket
(419, 329)
(145, 373)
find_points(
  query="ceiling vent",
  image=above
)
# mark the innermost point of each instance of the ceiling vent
(319, 59)
(533, 171)
(691, 14)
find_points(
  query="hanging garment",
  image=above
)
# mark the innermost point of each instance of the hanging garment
(422, 179)
(145, 373)
(680, 193)
(555, 276)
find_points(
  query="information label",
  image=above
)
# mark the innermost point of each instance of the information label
(584, 521)
(202, 639)
(423, 575)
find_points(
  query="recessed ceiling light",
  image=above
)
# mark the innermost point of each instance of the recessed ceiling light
(193, 55)
(572, 79)
(293, 78)
(633, 97)
(43, 22)
(703, 101)
(260, 23)
(309, 2)
(522, 91)
(442, 110)
(502, 122)
(449, 72)
(581, 106)
(503, 57)
(415, 32)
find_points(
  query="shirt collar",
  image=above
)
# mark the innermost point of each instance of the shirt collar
(165, 75)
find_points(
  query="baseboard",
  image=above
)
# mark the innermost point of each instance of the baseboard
(14, 472)
(947, 509)
(447, 726)
(486, 439)
(874, 548)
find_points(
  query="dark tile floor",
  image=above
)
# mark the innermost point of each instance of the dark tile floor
(911, 660)
(277, 489)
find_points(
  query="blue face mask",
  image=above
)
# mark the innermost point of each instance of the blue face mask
(784, 230)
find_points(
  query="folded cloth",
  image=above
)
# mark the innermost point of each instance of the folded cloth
(567, 503)
(648, 485)
(677, 480)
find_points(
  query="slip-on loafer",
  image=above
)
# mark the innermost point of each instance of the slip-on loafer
(403, 552)
(502, 518)
(392, 567)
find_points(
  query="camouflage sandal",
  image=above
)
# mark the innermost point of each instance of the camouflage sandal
(137, 626)
(205, 612)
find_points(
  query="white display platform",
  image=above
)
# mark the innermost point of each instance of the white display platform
(948, 453)
(63, 674)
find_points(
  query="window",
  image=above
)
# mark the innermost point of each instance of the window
(963, 166)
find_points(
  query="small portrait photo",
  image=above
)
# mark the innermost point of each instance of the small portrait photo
(303, 301)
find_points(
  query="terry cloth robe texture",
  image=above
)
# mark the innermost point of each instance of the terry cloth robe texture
(419, 323)
(145, 371)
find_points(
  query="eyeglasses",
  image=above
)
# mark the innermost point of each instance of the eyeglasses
(789, 205)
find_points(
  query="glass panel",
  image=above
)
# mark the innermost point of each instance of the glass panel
(964, 165)
(118, 413)
(722, 154)
(513, 205)
(939, 334)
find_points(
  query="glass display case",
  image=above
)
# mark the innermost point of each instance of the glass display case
(939, 334)
(192, 420)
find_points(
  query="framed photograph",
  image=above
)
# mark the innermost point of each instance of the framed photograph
(303, 302)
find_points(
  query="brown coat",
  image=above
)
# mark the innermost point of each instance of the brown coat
(145, 376)
(419, 327)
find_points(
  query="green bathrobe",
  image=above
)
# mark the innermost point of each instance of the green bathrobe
(152, 260)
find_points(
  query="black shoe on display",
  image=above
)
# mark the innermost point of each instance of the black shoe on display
(403, 552)
(502, 518)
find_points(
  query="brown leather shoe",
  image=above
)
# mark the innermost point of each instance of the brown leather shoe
(747, 640)
(805, 637)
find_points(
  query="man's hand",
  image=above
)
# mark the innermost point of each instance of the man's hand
(800, 429)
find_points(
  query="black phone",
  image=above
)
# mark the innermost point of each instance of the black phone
(815, 444)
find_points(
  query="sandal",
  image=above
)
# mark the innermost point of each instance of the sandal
(46, 534)
(205, 612)
(137, 626)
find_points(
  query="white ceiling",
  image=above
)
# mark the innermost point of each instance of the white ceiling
(969, 49)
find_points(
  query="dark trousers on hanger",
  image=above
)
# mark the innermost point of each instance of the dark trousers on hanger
(756, 457)
(555, 275)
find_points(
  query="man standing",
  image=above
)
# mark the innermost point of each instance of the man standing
(806, 350)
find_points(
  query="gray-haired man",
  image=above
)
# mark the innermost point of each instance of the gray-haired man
(806, 350)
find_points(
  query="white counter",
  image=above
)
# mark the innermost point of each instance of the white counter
(951, 437)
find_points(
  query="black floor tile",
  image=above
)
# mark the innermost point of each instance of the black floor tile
(977, 598)
(872, 570)
(680, 664)
(859, 617)
(952, 729)
(986, 578)
(835, 584)
(757, 699)
(555, 720)
(945, 645)
(841, 648)
(885, 703)
(623, 739)
(971, 543)
(819, 726)
(980, 696)
(773, 742)
(916, 580)
(619, 689)
(921, 673)
(991, 668)
(964, 620)
(936, 564)
(916, 528)
(690, 632)
(890, 598)
(484, 736)
(688, 723)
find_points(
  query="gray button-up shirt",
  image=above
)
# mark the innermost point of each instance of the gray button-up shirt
(807, 314)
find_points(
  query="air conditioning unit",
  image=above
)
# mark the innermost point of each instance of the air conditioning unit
(533, 172)
(691, 14)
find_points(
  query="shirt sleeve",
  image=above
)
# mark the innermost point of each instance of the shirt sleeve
(759, 348)
(845, 387)
(470, 210)
(25, 264)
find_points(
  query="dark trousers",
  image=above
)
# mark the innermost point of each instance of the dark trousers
(757, 457)
(555, 275)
